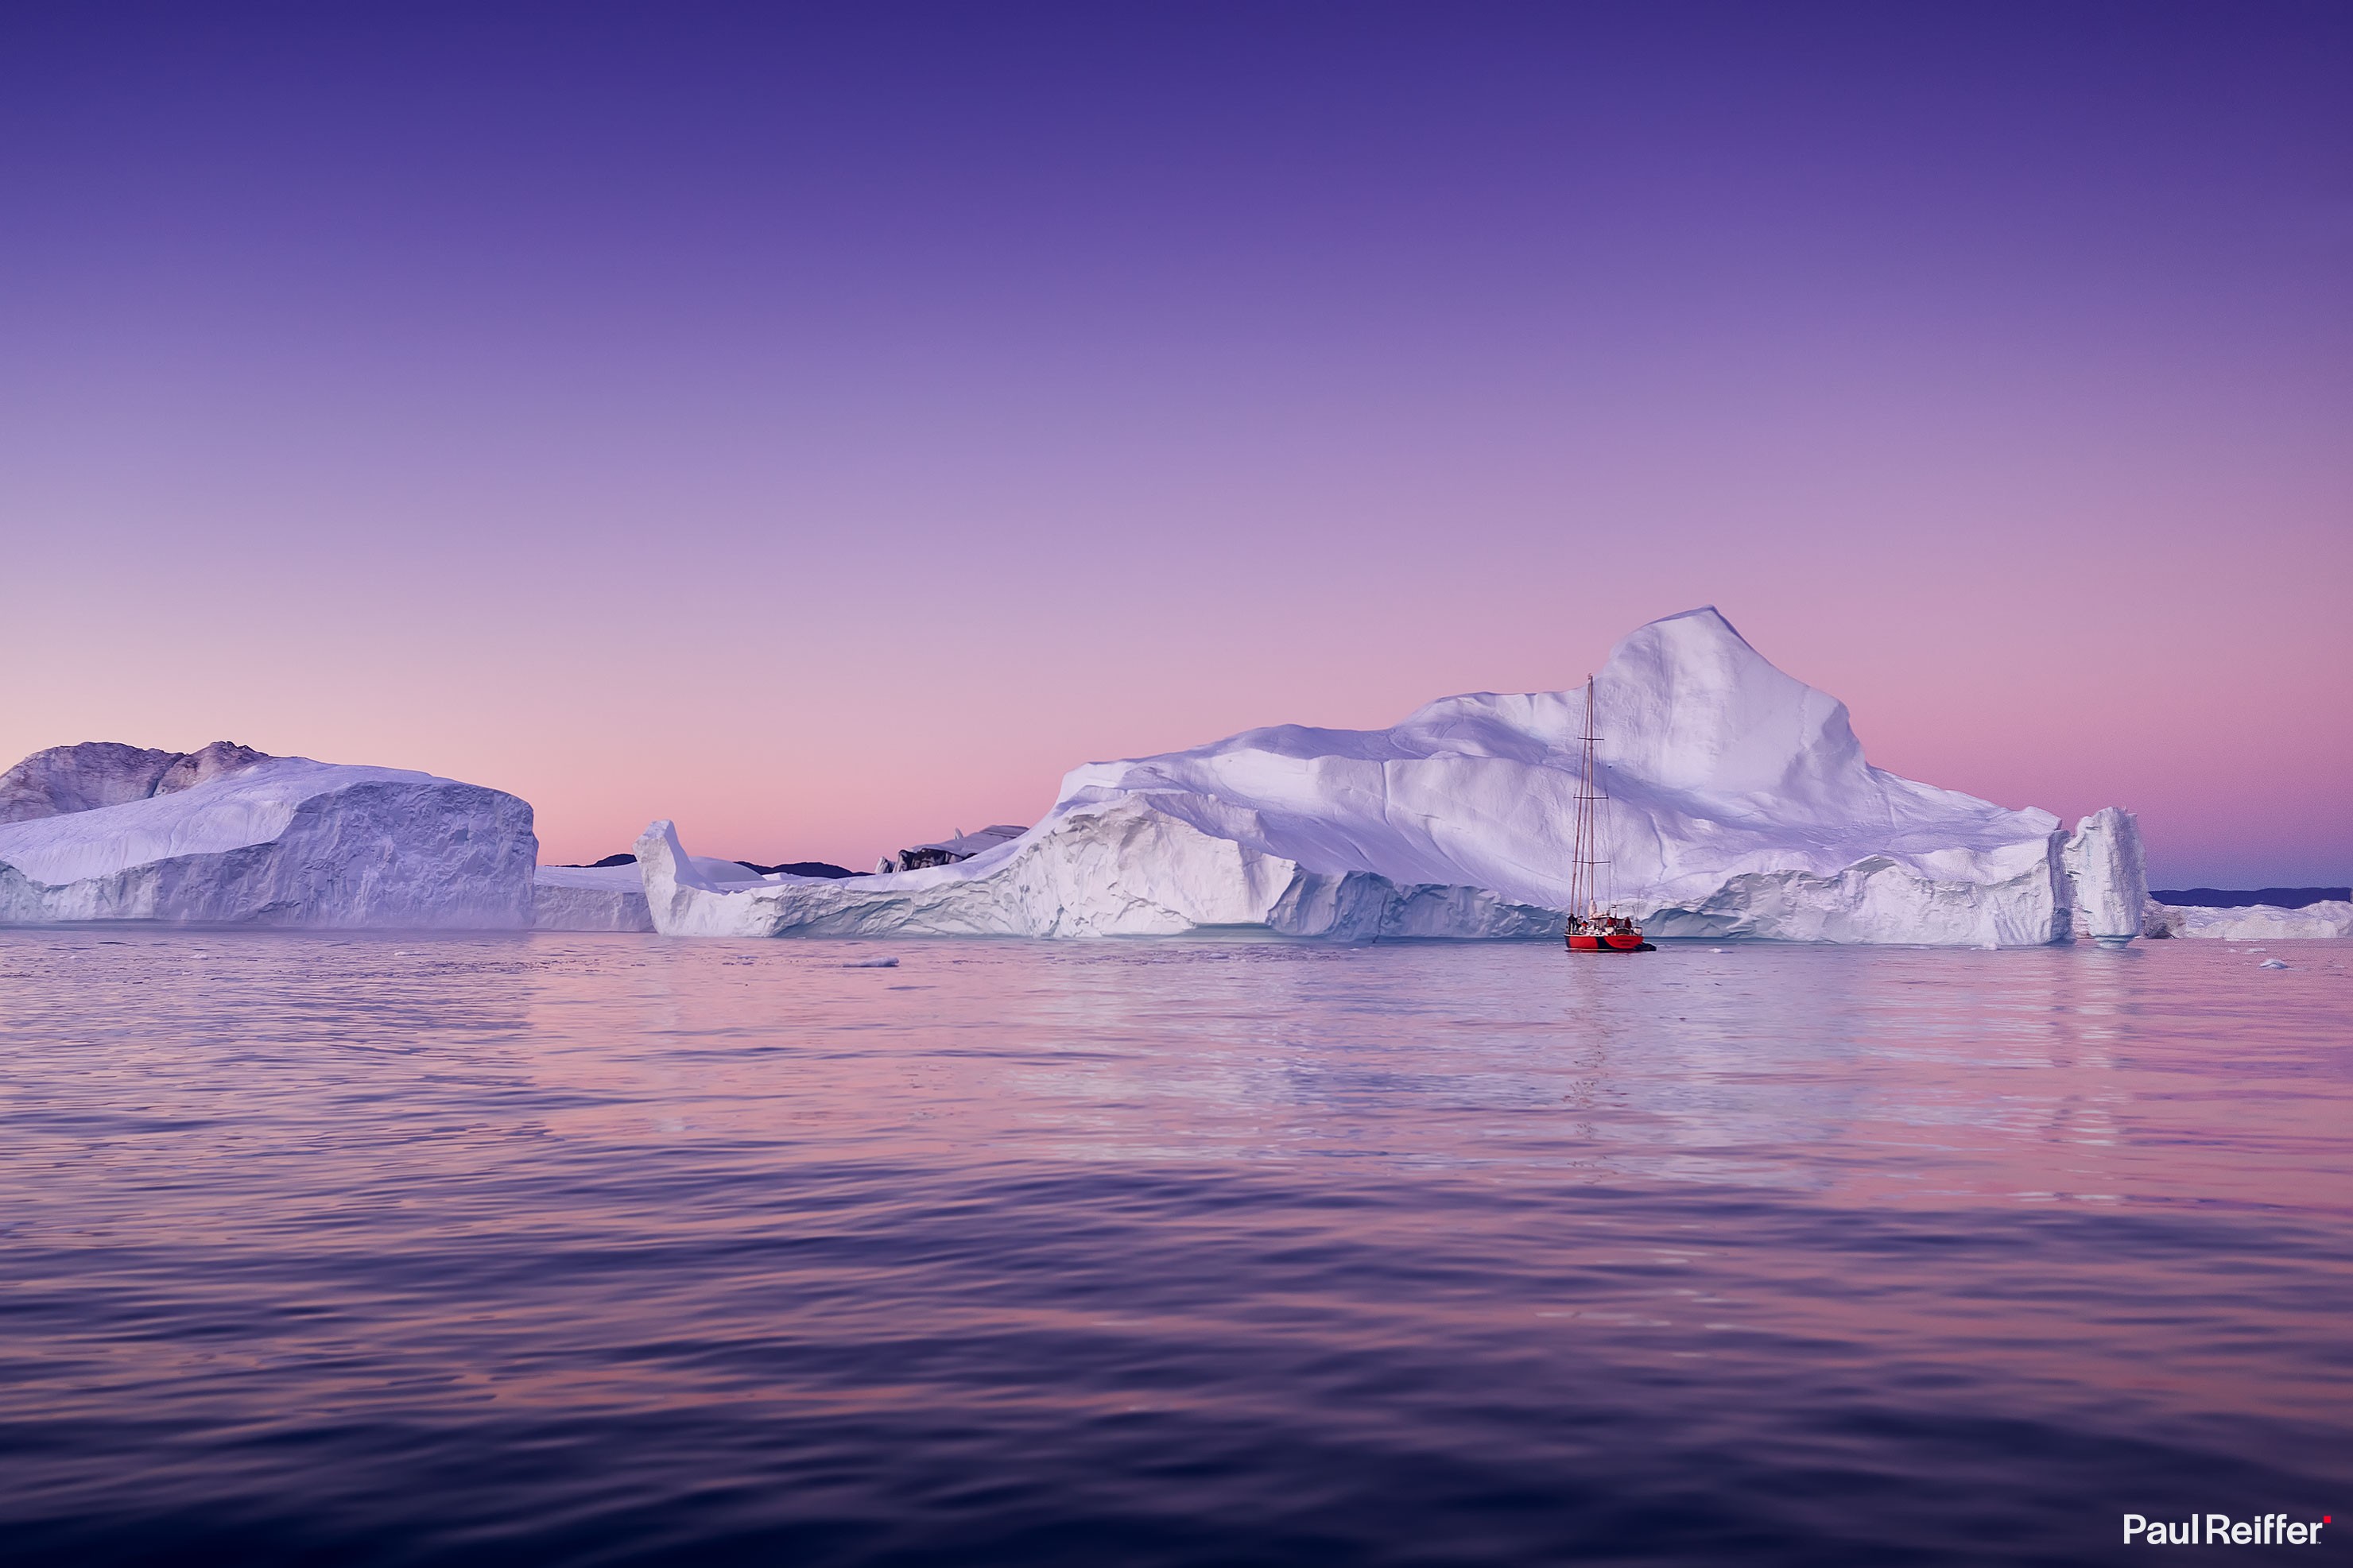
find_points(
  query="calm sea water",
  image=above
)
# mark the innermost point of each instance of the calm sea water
(605, 1249)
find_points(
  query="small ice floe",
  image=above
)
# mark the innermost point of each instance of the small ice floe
(872, 963)
(2271, 963)
(1716, 950)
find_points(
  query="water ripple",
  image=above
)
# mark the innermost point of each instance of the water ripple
(541, 1248)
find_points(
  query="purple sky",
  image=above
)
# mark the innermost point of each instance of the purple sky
(825, 427)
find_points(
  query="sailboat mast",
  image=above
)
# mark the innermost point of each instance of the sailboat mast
(1605, 865)
(1584, 881)
(1594, 923)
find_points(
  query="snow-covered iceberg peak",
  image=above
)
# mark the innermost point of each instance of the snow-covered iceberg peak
(1741, 805)
(1684, 703)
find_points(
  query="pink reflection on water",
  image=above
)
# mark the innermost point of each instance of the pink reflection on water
(1709, 1161)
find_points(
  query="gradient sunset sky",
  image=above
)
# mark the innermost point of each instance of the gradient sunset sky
(825, 426)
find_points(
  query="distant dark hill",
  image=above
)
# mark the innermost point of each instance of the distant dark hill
(791, 867)
(2240, 899)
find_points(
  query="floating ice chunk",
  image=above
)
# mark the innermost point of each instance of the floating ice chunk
(872, 963)
(2271, 963)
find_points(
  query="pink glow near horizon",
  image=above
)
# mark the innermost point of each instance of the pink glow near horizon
(826, 501)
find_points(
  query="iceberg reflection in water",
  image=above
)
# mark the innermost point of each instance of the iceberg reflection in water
(526, 1247)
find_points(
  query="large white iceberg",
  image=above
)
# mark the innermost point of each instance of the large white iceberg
(271, 841)
(1742, 806)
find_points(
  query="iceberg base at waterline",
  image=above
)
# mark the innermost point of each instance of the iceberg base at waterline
(1740, 806)
(589, 897)
(1877, 901)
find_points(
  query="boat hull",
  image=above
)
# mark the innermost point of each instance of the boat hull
(1584, 942)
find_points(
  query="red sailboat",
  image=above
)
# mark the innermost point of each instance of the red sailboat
(1594, 924)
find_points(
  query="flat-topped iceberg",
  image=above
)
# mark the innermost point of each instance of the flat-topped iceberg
(2251, 922)
(270, 840)
(1741, 806)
